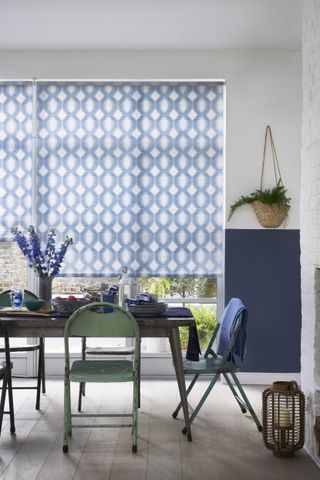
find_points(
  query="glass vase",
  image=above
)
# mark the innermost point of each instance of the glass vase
(45, 291)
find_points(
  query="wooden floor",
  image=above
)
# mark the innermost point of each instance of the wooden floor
(226, 444)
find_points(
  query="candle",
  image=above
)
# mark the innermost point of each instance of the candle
(284, 417)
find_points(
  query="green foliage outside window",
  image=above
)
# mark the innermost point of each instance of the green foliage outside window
(205, 317)
(166, 287)
(198, 287)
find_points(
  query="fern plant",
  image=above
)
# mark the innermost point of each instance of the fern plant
(275, 196)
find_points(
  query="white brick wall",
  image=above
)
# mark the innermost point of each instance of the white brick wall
(13, 266)
(14, 272)
(310, 219)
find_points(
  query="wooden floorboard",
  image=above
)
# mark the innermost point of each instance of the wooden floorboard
(226, 444)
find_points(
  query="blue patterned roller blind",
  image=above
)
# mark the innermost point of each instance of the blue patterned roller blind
(134, 172)
(15, 156)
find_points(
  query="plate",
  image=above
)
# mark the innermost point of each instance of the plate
(148, 308)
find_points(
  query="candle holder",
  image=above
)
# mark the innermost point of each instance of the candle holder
(283, 410)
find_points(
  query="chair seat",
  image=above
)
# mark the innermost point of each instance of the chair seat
(110, 350)
(101, 371)
(210, 365)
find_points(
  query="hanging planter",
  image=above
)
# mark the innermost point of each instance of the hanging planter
(271, 206)
(270, 216)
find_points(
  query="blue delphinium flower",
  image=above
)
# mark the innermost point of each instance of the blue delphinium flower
(50, 249)
(37, 255)
(59, 256)
(47, 262)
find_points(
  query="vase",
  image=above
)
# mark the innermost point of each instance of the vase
(45, 291)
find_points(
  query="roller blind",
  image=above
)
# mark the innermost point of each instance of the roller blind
(15, 156)
(133, 171)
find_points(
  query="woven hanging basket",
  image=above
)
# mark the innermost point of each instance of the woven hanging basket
(270, 216)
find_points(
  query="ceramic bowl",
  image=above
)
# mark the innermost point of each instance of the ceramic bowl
(33, 305)
(68, 306)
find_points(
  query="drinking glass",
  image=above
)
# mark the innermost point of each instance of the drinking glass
(16, 296)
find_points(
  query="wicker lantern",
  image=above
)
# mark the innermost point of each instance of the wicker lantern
(283, 418)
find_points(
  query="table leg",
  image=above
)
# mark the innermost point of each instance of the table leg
(174, 338)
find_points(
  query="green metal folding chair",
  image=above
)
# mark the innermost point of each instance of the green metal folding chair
(232, 341)
(92, 321)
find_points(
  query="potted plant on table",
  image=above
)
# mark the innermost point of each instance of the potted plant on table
(272, 205)
(45, 262)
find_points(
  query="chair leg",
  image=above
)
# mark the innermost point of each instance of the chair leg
(190, 387)
(135, 407)
(81, 388)
(139, 393)
(203, 399)
(139, 379)
(43, 371)
(7, 385)
(247, 402)
(3, 399)
(11, 407)
(39, 379)
(235, 394)
(67, 427)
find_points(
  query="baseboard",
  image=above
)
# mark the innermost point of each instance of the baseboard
(313, 456)
(265, 378)
(161, 367)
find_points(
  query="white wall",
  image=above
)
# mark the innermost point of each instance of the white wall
(310, 221)
(263, 87)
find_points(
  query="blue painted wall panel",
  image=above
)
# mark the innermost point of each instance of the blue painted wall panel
(262, 267)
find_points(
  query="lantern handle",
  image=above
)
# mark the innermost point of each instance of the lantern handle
(294, 386)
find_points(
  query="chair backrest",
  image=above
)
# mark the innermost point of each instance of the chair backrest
(233, 331)
(5, 336)
(93, 321)
(5, 300)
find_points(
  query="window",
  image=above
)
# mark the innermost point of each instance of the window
(197, 293)
(133, 171)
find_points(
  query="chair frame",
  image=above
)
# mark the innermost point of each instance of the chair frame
(90, 329)
(6, 382)
(223, 368)
(41, 385)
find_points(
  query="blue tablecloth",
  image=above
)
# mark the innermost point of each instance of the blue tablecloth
(193, 349)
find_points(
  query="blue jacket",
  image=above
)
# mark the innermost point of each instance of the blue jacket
(228, 322)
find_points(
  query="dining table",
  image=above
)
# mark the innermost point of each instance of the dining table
(29, 324)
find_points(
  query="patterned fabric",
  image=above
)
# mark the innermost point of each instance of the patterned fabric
(15, 156)
(134, 172)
